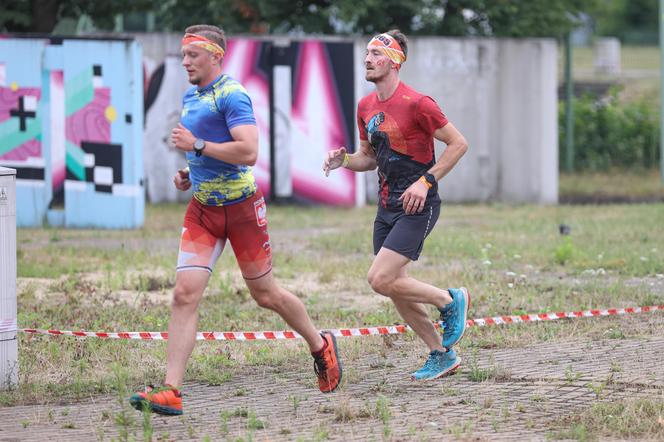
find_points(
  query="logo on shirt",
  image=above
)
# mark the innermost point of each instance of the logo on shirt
(375, 121)
(261, 212)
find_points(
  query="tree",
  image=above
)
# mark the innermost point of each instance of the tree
(43, 15)
(633, 21)
(502, 18)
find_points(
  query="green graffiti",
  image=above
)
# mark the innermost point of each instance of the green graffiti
(79, 91)
(11, 137)
(76, 161)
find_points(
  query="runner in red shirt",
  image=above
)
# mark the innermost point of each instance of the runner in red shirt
(397, 126)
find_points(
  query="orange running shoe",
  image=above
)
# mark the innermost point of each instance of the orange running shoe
(327, 364)
(166, 400)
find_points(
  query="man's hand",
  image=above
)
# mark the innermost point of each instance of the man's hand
(182, 138)
(181, 180)
(334, 160)
(414, 197)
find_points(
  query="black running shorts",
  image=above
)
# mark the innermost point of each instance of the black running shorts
(403, 233)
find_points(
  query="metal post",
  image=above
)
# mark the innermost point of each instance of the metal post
(569, 111)
(661, 89)
(8, 341)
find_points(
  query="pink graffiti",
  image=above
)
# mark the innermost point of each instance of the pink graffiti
(241, 63)
(8, 101)
(316, 119)
(317, 116)
(90, 123)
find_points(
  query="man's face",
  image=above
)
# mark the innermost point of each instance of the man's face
(377, 65)
(198, 63)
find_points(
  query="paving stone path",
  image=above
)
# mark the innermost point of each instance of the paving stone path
(528, 390)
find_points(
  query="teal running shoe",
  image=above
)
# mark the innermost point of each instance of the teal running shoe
(454, 316)
(438, 364)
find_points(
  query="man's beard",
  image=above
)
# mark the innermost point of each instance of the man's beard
(374, 78)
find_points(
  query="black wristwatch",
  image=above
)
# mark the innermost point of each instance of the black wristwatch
(430, 178)
(199, 146)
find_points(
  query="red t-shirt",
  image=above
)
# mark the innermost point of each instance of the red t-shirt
(400, 131)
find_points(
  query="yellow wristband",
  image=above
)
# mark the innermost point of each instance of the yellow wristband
(344, 163)
(424, 180)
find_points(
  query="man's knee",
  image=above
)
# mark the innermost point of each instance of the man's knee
(380, 282)
(265, 297)
(186, 295)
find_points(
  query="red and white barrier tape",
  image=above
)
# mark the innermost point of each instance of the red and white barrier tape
(343, 332)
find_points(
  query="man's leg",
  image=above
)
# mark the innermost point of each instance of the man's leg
(189, 288)
(398, 240)
(417, 317)
(167, 399)
(388, 277)
(199, 250)
(268, 294)
(327, 365)
(247, 232)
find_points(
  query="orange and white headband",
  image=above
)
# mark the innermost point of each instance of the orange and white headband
(197, 40)
(389, 46)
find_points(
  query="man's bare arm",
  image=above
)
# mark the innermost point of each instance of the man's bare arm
(363, 159)
(243, 150)
(456, 148)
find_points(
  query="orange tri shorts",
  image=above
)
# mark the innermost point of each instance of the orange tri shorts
(244, 224)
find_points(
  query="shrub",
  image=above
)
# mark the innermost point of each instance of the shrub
(609, 134)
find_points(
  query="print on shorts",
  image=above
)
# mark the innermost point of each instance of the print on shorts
(261, 212)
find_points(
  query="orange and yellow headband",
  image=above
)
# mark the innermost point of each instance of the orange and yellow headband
(197, 40)
(389, 46)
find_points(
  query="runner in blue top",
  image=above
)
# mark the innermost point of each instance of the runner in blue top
(219, 136)
(210, 112)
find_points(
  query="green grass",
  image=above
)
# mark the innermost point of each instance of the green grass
(631, 57)
(626, 419)
(625, 185)
(512, 257)
(640, 71)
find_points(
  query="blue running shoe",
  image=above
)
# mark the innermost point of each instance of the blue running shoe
(454, 316)
(438, 364)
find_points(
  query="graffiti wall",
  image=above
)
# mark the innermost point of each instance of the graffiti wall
(71, 124)
(305, 89)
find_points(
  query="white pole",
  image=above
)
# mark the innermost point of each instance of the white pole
(8, 341)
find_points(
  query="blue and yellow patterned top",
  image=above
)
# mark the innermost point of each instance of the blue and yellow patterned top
(209, 113)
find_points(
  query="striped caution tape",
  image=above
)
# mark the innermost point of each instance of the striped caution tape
(343, 332)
